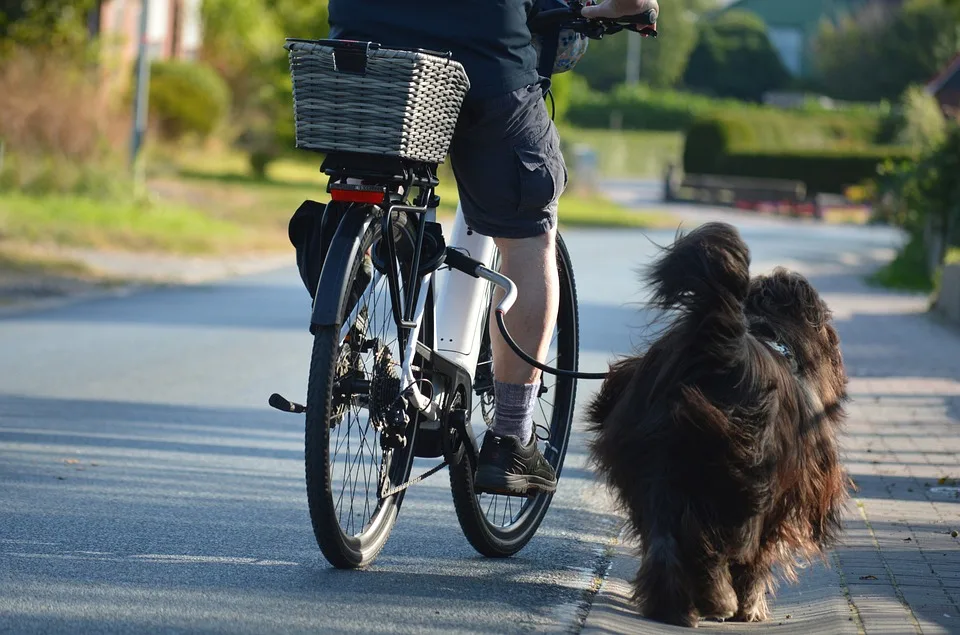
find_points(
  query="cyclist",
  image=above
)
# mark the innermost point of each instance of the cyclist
(510, 173)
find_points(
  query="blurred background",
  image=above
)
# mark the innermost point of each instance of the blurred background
(838, 110)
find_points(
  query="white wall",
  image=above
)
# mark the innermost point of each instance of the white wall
(789, 44)
(191, 33)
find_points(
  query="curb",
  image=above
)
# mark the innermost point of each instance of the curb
(816, 605)
(124, 280)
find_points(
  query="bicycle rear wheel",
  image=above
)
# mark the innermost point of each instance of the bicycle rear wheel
(500, 526)
(354, 375)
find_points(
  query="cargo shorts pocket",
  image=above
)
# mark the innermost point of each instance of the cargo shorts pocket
(543, 174)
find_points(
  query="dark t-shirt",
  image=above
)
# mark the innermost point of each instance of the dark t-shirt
(489, 37)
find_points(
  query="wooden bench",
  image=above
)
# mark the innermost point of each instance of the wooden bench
(733, 190)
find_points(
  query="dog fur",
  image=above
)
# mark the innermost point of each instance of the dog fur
(720, 441)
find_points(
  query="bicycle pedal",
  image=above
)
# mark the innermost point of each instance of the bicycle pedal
(285, 405)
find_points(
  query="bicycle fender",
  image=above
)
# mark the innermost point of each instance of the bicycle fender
(328, 304)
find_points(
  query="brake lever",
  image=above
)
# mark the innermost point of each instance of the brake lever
(644, 30)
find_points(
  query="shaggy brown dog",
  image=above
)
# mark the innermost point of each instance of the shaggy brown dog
(721, 439)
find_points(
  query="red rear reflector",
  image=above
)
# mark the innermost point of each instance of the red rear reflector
(358, 194)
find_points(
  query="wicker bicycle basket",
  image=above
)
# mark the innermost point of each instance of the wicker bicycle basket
(359, 97)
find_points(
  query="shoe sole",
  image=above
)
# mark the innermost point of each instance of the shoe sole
(489, 481)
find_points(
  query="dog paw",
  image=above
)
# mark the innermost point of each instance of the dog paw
(720, 607)
(755, 613)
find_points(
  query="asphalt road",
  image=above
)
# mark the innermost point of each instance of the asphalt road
(145, 486)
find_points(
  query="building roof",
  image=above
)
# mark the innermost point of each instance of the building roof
(950, 72)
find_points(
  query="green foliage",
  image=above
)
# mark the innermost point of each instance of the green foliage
(643, 108)
(187, 98)
(662, 60)
(908, 270)
(827, 151)
(829, 171)
(878, 53)
(734, 58)
(927, 192)
(44, 24)
(917, 121)
(41, 174)
(710, 139)
(923, 197)
(563, 88)
(243, 39)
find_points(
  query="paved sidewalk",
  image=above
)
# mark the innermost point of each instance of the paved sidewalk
(898, 570)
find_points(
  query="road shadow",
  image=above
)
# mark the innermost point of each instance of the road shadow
(114, 513)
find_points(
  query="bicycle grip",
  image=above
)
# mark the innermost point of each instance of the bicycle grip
(461, 262)
(647, 18)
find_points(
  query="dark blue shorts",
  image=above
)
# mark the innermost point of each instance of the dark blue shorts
(510, 171)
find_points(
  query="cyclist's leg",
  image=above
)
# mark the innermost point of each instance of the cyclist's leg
(532, 264)
(510, 173)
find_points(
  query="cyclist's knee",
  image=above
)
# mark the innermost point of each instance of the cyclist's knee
(539, 243)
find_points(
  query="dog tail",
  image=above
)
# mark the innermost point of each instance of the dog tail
(705, 272)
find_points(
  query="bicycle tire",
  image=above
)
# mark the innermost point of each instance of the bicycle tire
(342, 547)
(490, 538)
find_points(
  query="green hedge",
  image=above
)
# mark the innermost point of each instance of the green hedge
(827, 151)
(644, 108)
(187, 98)
(830, 171)
(711, 138)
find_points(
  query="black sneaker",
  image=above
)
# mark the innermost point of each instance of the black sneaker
(506, 467)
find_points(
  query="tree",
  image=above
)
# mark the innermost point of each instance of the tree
(662, 59)
(44, 24)
(877, 54)
(734, 58)
(917, 121)
(243, 39)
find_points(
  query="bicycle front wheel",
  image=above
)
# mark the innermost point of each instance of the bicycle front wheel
(354, 376)
(500, 526)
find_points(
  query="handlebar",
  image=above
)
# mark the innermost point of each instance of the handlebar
(552, 20)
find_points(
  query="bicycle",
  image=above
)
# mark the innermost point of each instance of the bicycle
(401, 332)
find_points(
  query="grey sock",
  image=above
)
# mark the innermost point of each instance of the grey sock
(514, 409)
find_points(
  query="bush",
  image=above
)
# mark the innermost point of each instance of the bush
(187, 98)
(829, 171)
(61, 133)
(711, 139)
(917, 121)
(734, 58)
(51, 105)
(40, 174)
(909, 270)
(643, 108)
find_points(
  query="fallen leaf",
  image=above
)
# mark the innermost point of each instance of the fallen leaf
(72, 461)
(868, 577)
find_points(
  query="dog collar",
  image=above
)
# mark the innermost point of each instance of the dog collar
(780, 347)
